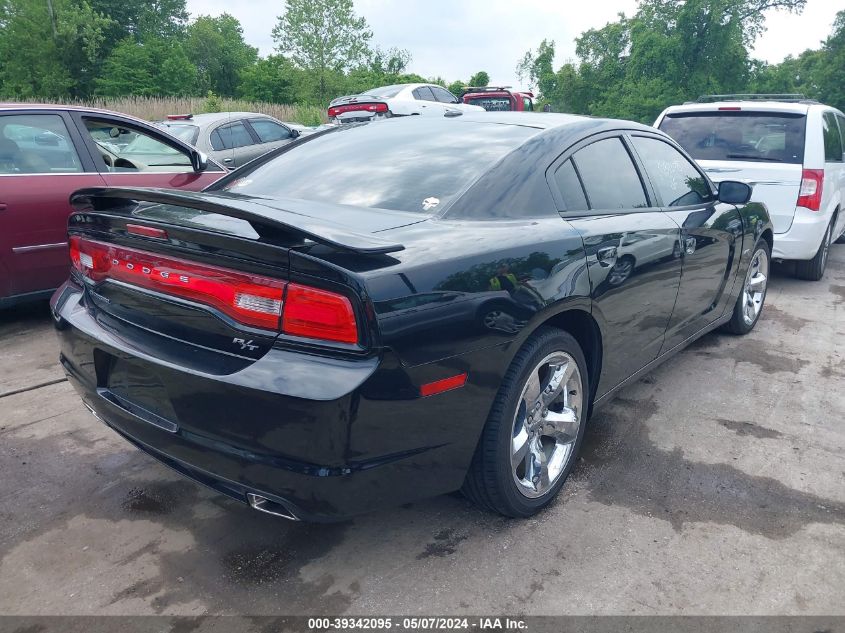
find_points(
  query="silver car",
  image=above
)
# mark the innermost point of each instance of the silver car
(232, 138)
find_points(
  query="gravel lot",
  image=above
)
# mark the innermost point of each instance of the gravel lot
(715, 485)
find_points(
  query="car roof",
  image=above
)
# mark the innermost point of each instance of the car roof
(750, 106)
(207, 118)
(73, 108)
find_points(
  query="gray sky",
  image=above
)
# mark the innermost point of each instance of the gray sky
(456, 38)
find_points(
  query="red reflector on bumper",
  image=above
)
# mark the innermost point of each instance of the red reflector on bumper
(447, 384)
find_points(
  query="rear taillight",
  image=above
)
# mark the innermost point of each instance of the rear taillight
(357, 107)
(249, 299)
(810, 195)
(319, 314)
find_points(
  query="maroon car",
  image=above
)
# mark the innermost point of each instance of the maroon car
(49, 151)
(498, 99)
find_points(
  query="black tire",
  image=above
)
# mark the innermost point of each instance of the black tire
(813, 269)
(490, 480)
(738, 323)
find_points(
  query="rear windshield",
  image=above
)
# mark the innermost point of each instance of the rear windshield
(182, 131)
(385, 91)
(491, 104)
(409, 164)
(739, 136)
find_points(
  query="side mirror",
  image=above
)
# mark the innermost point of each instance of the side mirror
(199, 160)
(733, 192)
(294, 133)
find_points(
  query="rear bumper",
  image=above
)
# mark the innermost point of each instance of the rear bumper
(369, 444)
(803, 238)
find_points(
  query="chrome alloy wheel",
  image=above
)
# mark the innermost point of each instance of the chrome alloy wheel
(755, 286)
(546, 424)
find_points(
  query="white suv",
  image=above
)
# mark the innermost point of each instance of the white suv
(790, 149)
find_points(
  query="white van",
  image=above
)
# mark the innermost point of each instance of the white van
(790, 149)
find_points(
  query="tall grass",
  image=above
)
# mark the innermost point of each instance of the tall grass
(155, 108)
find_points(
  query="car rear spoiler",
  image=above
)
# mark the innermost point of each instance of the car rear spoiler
(260, 216)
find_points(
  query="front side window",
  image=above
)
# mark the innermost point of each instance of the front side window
(443, 95)
(527, 104)
(269, 131)
(36, 144)
(610, 179)
(231, 136)
(728, 135)
(677, 181)
(130, 149)
(832, 139)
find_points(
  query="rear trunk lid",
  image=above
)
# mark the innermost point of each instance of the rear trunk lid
(775, 184)
(202, 279)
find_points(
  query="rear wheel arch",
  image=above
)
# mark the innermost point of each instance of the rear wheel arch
(769, 237)
(584, 328)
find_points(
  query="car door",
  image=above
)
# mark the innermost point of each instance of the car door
(42, 160)
(631, 249)
(711, 235)
(131, 154)
(271, 134)
(834, 167)
(236, 143)
(426, 101)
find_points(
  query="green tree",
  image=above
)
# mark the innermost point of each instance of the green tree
(830, 73)
(324, 37)
(269, 79)
(46, 56)
(217, 48)
(143, 18)
(156, 67)
(480, 79)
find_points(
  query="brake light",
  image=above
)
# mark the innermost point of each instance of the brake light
(730, 109)
(357, 107)
(180, 117)
(319, 314)
(249, 299)
(146, 231)
(812, 183)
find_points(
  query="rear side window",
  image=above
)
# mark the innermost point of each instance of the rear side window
(739, 136)
(677, 181)
(841, 120)
(230, 136)
(570, 188)
(832, 139)
(610, 179)
(36, 144)
(413, 167)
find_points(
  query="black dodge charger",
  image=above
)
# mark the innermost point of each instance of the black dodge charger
(383, 312)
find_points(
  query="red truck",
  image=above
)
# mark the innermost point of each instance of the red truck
(498, 99)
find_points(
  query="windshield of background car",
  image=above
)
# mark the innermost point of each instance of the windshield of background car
(491, 104)
(385, 91)
(403, 164)
(739, 136)
(186, 133)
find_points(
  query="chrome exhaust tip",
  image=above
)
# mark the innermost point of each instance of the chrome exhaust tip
(268, 506)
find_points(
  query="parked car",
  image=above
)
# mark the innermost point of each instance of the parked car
(398, 100)
(321, 346)
(498, 99)
(47, 152)
(790, 149)
(232, 138)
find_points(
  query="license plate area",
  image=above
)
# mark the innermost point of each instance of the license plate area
(135, 389)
